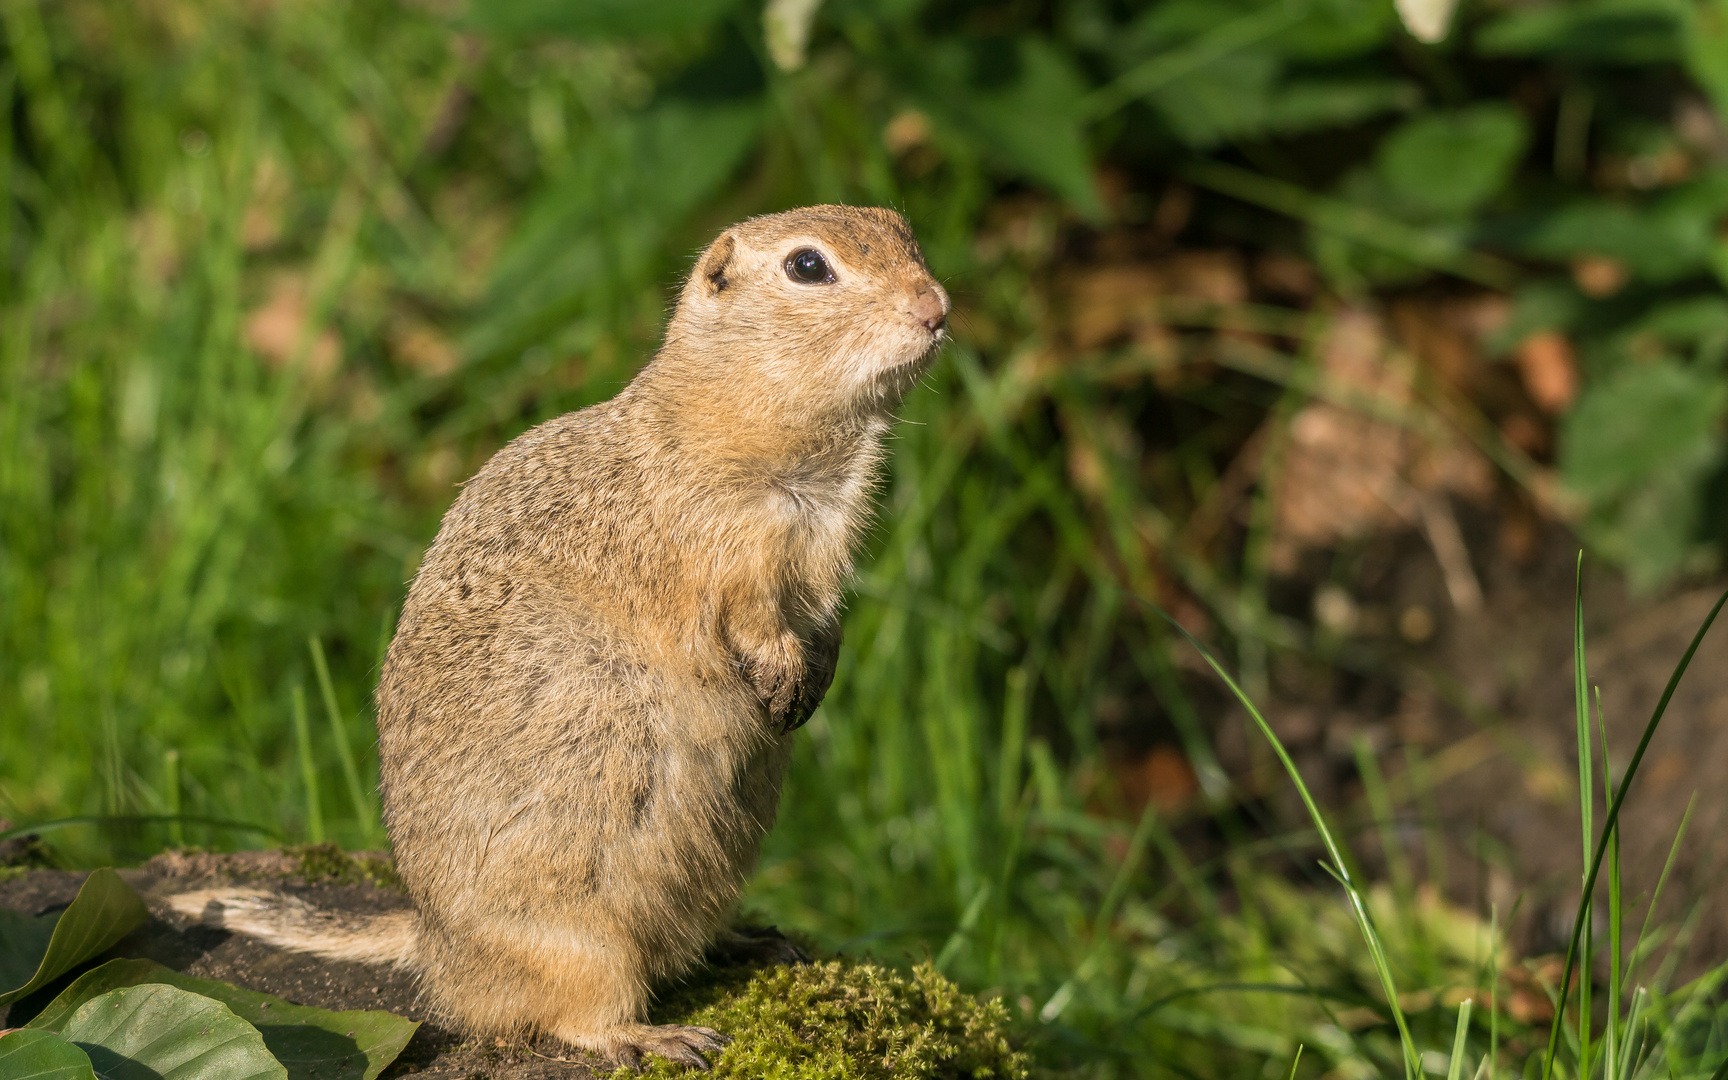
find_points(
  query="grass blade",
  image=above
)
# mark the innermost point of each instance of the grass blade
(1609, 823)
(1013, 756)
(365, 814)
(131, 820)
(962, 931)
(308, 768)
(1106, 912)
(1493, 1061)
(1339, 869)
(1628, 1044)
(1610, 1031)
(1638, 950)
(1586, 804)
(171, 787)
(1455, 1067)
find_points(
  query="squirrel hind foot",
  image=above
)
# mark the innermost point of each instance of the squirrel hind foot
(626, 1044)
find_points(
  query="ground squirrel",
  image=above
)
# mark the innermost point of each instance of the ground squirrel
(586, 712)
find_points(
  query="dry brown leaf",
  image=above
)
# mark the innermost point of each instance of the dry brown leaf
(1549, 369)
(1286, 275)
(1442, 337)
(1084, 468)
(1347, 472)
(1341, 468)
(1161, 777)
(1526, 433)
(1109, 302)
(1599, 276)
(906, 132)
(1453, 467)
(275, 329)
(1214, 276)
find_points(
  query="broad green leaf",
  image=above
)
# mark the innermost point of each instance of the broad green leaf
(1608, 31)
(1602, 227)
(1449, 163)
(1660, 241)
(36, 951)
(1320, 31)
(1243, 95)
(1706, 43)
(158, 1032)
(1543, 304)
(1174, 24)
(596, 18)
(1642, 421)
(308, 1042)
(41, 1055)
(1701, 321)
(1181, 39)
(1636, 446)
(1337, 29)
(1313, 104)
(1226, 99)
(1025, 105)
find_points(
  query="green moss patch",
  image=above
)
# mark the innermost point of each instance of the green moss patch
(327, 863)
(844, 1019)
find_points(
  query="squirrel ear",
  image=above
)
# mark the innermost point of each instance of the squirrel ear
(712, 265)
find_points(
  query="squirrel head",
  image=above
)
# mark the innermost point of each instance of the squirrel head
(808, 315)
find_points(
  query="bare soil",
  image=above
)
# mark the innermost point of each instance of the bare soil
(1473, 724)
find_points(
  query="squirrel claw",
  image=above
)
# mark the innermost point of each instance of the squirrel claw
(680, 1044)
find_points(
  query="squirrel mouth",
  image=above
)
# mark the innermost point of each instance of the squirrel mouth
(902, 368)
(921, 360)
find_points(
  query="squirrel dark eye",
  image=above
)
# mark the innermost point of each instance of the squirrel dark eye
(807, 267)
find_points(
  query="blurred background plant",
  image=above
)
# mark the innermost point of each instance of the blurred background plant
(1243, 288)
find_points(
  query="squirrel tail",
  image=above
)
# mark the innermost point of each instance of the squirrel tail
(288, 922)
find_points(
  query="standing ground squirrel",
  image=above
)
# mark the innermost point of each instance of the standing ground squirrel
(586, 713)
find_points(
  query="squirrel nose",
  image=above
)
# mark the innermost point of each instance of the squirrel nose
(930, 307)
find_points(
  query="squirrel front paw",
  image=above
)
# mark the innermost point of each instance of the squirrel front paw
(778, 676)
(791, 677)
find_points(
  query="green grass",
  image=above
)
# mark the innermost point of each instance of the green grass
(205, 531)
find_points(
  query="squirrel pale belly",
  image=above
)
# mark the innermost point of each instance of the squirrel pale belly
(586, 712)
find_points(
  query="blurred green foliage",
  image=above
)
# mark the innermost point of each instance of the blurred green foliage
(278, 275)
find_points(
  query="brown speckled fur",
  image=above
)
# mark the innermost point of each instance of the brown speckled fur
(585, 715)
